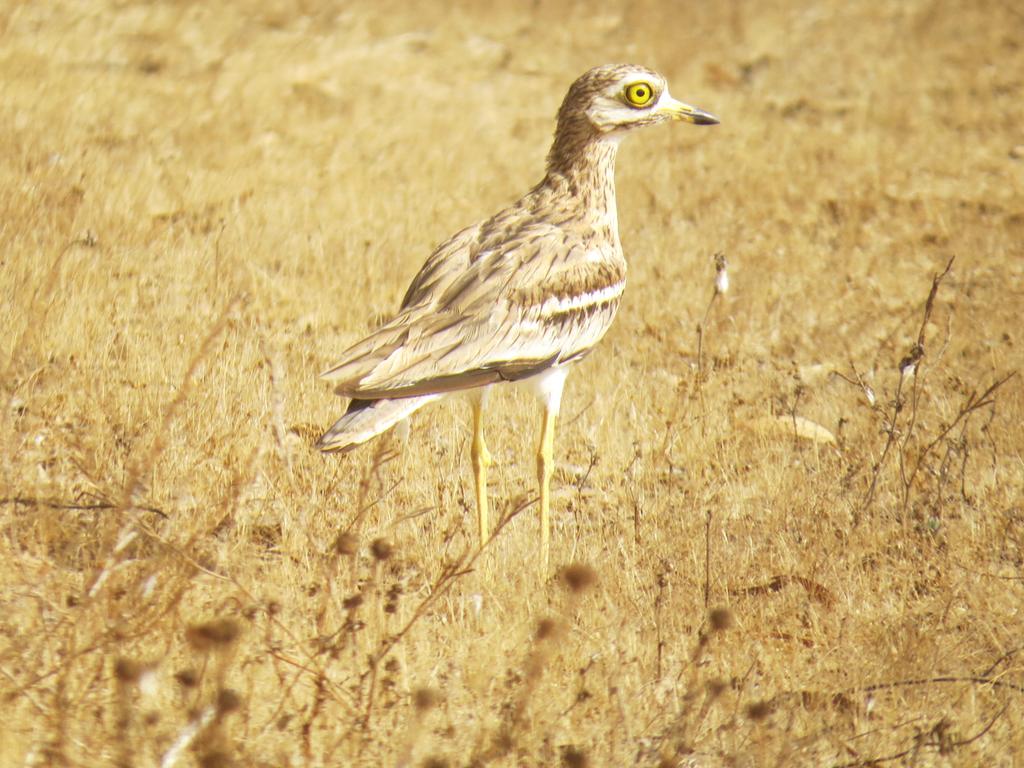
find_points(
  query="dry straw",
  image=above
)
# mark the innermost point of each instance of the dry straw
(757, 561)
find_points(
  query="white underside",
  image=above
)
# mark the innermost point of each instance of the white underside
(547, 386)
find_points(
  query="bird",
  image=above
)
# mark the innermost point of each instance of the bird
(518, 297)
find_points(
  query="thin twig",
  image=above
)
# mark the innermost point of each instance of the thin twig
(908, 366)
(896, 756)
(975, 679)
(28, 501)
(721, 286)
(897, 406)
(707, 560)
(974, 402)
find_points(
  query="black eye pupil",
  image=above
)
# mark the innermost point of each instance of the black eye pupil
(639, 94)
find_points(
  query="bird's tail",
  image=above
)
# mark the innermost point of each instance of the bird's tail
(365, 419)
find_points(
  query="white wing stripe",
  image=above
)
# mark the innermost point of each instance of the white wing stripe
(558, 305)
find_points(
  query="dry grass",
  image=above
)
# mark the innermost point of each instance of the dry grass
(201, 204)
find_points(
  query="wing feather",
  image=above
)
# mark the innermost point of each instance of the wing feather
(480, 312)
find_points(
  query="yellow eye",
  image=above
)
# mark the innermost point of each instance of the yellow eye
(639, 94)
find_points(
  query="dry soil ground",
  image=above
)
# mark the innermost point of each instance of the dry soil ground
(787, 552)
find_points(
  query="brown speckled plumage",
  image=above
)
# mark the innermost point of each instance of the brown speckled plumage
(532, 288)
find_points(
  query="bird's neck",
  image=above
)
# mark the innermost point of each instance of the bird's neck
(582, 168)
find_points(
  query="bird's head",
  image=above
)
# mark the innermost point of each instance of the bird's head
(617, 97)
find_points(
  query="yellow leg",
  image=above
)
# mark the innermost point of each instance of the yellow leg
(481, 461)
(545, 466)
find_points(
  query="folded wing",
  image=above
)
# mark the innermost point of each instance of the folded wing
(478, 314)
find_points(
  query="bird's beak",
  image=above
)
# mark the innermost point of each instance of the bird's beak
(676, 110)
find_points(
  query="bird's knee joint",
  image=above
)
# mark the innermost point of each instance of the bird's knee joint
(481, 462)
(544, 469)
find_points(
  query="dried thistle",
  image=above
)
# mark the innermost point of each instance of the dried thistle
(546, 628)
(187, 678)
(908, 365)
(573, 757)
(578, 577)
(425, 699)
(721, 273)
(716, 688)
(382, 549)
(351, 603)
(346, 544)
(227, 701)
(215, 758)
(211, 635)
(721, 619)
(759, 710)
(869, 393)
(128, 671)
